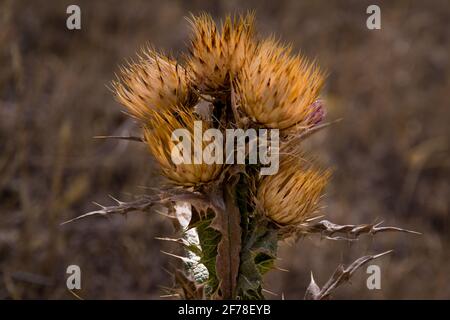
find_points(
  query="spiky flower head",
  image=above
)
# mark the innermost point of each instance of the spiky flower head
(276, 88)
(292, 195)
(218, 53)
(317, 113)
(154, 82)
(158, 136)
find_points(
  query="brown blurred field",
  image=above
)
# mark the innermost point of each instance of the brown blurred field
(390, 152)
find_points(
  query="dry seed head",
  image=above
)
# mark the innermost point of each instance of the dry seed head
(155, 82)
(158, 136)
(292, 195)
(276, 88)
(218, 53)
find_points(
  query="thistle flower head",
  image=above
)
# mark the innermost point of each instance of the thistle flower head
(292, 195)
(218, 53)
(276, 88)
(155, 82)
(158, 136)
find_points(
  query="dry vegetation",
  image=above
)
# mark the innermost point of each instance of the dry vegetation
(390, 152)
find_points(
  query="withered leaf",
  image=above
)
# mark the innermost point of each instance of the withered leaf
(341, 275)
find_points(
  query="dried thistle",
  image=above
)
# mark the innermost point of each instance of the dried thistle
(229, 218)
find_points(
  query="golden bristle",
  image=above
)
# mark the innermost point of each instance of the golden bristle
(155, 82)
(292, 195)
(218, 53)
(276, 88)
(158, 136)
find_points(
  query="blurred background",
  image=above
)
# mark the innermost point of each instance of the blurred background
(390, 152)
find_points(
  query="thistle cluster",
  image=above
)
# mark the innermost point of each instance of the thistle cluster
(230, 78)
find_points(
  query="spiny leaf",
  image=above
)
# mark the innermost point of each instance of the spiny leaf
(257, 257)
(329, 229)
(341, 275)
(259, 246)
(313, 289)
(208, 240)
(143, 203)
